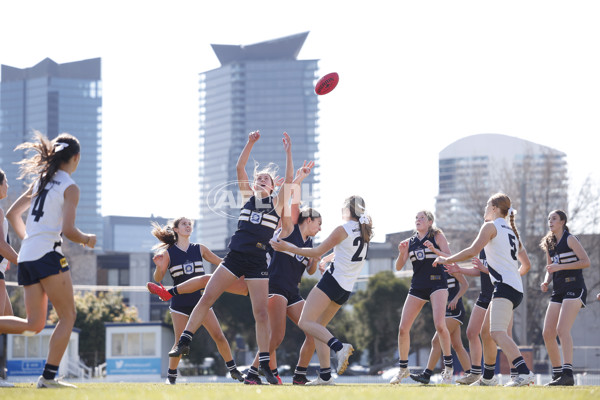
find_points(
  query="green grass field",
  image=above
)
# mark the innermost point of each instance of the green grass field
(232, 391)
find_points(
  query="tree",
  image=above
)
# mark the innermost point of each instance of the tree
(537, 183)
(234, 313)
(92, 312)
(203, 346)
(342, 325)
(377, 313)
(17, 299)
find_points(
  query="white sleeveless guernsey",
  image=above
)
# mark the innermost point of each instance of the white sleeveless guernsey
(45, 219)
(501, 253)
(4, 262)
(349, 256)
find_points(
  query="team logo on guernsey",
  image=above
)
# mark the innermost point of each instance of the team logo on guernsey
(255, 217)
(556, 259)
(299, 257)
(420, 254)
(188, 268)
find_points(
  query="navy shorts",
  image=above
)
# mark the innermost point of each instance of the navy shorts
(579, 293)
(251, 267)
(483, 300)
(185, 303)
(425, 293)
(458, 313)
(292, 295)
(31, 272)
(184, 310)
(332, 289)
(502, 290)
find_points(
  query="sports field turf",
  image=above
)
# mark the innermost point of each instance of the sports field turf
(210, 391)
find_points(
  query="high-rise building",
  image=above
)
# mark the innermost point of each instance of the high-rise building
(475, 167)
(262, 87)
(54, 98)
(130, 234)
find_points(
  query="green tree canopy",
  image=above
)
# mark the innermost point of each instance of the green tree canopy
(377, 314)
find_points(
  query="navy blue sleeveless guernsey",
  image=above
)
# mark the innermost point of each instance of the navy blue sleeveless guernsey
(458, 312)
(425, 275)
(286, 268)
(487, 287)
(566, 279)
(453, 285)
(256, 224)
(185, 265)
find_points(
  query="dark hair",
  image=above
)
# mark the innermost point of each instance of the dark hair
(548, 242)
(307, 213)
(166, 234)
(503, 203)
(356, 205)
(433, 230)
(50, 156)
(2, 176)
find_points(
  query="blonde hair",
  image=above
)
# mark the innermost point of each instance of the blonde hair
(433, 230)
(503, 203)
(271, 170)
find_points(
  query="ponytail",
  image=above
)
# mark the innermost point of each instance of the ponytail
(502, 201)
(548, 242)
(358, 211)
(433, 230)
(165, 234)
(514, 227)
(49, 158)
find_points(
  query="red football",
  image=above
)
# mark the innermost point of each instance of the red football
(327, 83)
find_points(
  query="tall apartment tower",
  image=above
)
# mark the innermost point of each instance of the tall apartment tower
(475, 167)
(54, 98)
(262, 87)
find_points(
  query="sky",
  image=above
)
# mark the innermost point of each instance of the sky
(415, 76)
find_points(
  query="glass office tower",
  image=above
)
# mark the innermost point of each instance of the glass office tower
(54, 98)
(262, 87)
